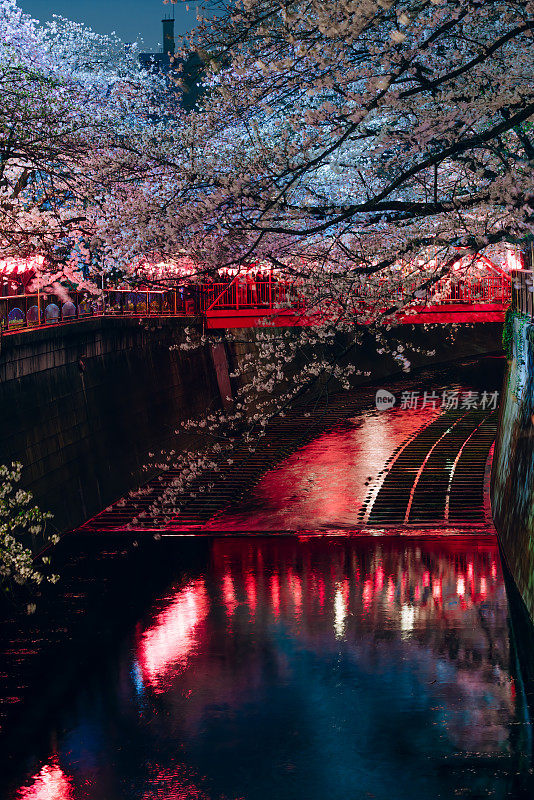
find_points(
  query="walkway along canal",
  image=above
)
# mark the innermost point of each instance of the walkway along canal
(330, 621)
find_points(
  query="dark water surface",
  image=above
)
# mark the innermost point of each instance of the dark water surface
(308, 669)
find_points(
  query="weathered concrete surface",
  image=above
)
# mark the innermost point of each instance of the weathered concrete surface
(512, 491)
(444, 343)
(82, 405)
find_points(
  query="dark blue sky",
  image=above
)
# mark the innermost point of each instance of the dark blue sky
(128, 18)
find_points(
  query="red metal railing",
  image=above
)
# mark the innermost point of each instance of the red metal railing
(34, 310)
(485, 289)
(243, 294)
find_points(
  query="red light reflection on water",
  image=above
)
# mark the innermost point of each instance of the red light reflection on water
(341, 592)
(379, 578)
(328, 591)
(172, 784)
(252, 593)
(170, 640)
(425, 576)
(275, 594)
(50, 783)
(229, 594)
(367, 594)
(295, 589)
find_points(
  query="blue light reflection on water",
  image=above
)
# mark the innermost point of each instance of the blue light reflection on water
(326, 668)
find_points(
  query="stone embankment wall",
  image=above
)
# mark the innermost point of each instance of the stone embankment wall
(423, 345)
(512, 491)
(82, 405)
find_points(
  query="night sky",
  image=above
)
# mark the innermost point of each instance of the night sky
(130, 19)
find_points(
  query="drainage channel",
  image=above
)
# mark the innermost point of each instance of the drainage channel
(438, 477)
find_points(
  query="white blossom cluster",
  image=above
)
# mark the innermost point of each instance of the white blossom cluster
(68, 99)
(349, 136)
(20, 523)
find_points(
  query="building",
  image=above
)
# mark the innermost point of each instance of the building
(165, 63)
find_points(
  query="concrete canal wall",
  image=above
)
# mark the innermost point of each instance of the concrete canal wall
(82, 405)
(512, 492)
(423, 345)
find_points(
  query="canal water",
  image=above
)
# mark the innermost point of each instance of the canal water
(324, 668)
(312, 667)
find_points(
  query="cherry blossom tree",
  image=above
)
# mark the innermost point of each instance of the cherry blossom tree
(68, 94)
(23, 529)
(336, 141)
(348, 135)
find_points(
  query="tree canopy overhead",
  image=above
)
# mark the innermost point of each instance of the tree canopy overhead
(349, 134)
(355, 129)
(68, 97)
